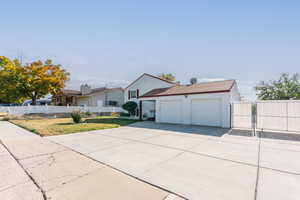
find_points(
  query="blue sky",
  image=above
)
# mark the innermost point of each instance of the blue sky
(113, 42)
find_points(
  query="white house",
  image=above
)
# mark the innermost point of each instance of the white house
(206, 104)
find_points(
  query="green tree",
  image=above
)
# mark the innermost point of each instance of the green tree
(10, 81)
(33, 80)
(130, 106)
(285, 88)
(168, 77)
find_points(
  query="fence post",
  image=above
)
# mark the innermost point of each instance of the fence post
(231, 116)
(287, 116)
(254, 116)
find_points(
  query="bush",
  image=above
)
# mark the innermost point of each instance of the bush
(130, 106)
(87, 114)
(123, 114)
(76, 116)
(115, 114)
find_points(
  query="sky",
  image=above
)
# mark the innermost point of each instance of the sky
(113, 42)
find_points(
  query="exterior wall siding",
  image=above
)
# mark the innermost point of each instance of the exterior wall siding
(92, 100)
(145, 84)
(234, 94)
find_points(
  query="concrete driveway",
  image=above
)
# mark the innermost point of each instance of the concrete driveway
(196, 162)
(34, 168)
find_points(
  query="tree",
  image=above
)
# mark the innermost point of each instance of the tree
(193, 80)
(10, 81)
(285, 88)
(168, 77)
(33, 80)
(42, 78)
(130, 106)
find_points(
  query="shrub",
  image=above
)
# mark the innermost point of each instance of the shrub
(76, 116)
(130, 106)
(123, 114)
(115, 114)
(87, 114)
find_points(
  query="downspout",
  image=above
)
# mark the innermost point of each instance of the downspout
(141, 110)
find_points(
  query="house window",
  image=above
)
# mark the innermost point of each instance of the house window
(133, 94)
(111, 103)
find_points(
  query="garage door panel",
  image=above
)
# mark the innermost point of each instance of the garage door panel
(206, 112)
(171, 111)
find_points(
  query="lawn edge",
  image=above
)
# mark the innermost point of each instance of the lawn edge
(39, 134)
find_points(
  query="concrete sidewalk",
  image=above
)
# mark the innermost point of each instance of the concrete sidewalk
(36, 168)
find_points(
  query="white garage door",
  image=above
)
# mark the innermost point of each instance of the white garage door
(206, 112)
(171, 111)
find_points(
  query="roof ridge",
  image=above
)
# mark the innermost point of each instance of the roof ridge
(150, 76)
(217, 81)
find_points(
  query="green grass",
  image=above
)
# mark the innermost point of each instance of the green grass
(48, 127)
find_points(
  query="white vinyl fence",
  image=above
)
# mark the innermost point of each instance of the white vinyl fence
(241, 115)
(21, 110)
(278, 115)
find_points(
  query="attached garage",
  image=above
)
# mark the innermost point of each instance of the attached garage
(207, 112)
(205, 104)
(171, 111)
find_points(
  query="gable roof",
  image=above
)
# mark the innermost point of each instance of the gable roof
(101, 89)
(198, 88)
(145, 74)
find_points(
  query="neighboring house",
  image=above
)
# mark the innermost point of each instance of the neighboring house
(206, 104)
(90, 97)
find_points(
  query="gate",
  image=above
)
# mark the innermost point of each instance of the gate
(242, 117)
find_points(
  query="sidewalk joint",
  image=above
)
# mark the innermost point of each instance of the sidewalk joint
(31, 178)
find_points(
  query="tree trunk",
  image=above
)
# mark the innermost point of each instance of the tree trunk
(33, 101)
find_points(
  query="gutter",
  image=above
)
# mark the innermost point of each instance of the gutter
(191, 93)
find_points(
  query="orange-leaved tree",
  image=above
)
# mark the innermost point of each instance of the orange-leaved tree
(33, 80)
(42, 78)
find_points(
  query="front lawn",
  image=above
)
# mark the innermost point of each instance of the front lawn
(47, 127)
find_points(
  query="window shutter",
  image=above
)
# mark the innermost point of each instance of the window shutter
(128, 94)
(137, 93)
